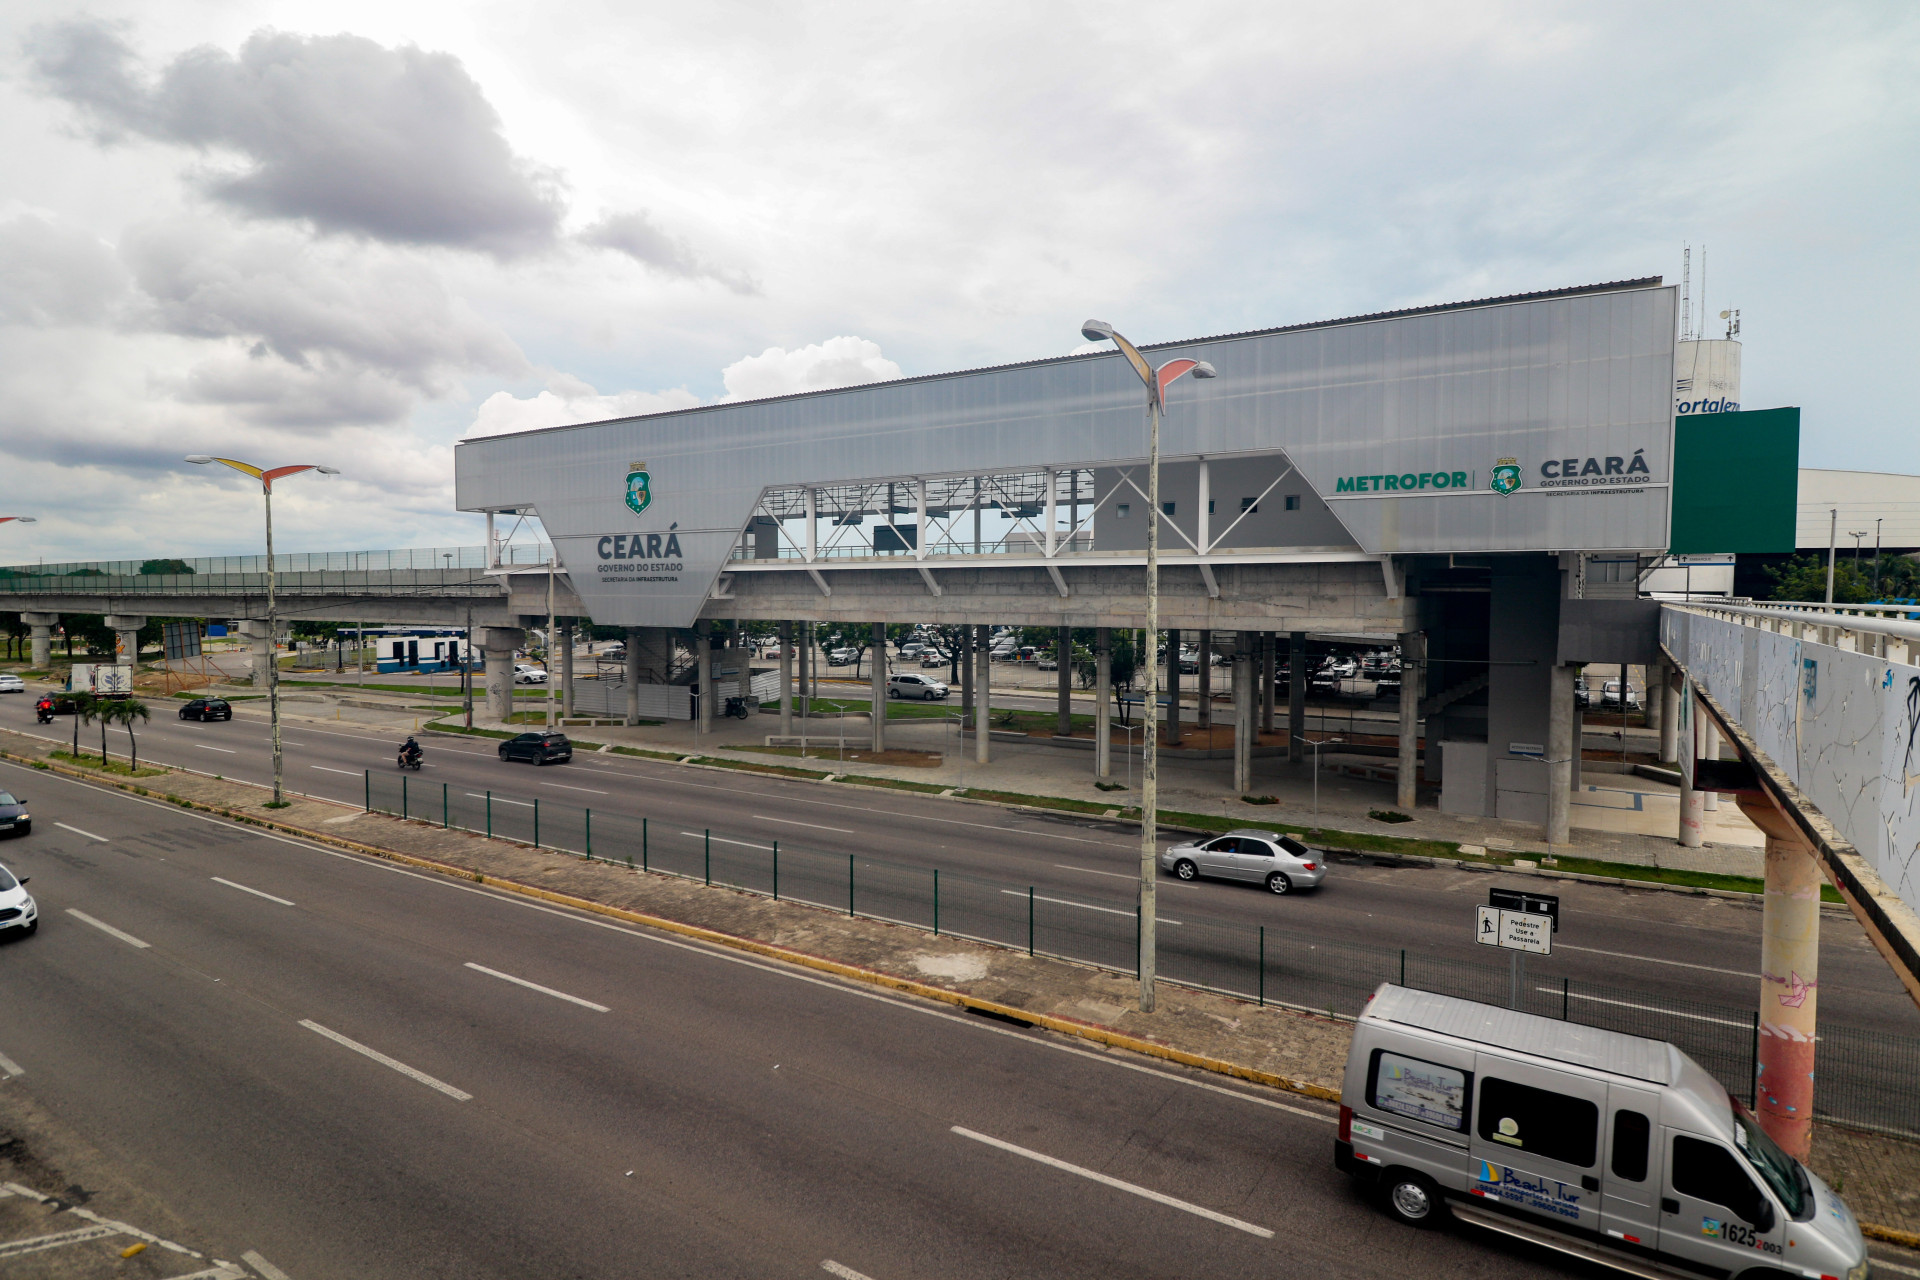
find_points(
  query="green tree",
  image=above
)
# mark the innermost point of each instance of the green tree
(85, 708)
(174, 567)
(124, 711)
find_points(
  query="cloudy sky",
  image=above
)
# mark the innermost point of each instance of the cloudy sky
(354, 233)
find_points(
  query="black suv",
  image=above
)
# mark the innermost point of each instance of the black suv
(537, 747)
(207, 709)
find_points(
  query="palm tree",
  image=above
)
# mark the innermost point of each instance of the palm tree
(85, 707)
(125, 711)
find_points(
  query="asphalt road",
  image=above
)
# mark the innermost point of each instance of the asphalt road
(1676, 946)
(204, 1004)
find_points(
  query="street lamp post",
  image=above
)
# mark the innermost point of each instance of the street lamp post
(266, 479)
(1324, 742)
(1157, 381)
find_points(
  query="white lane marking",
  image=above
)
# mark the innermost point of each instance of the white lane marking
(845, 1272)
(349, 772)
(478, 795)
(791, 974)
(1101, 1178)
(219, 1271)
(111, 1224)
(458, 1095)
(1084, 906)
(1881, 1264)
(201, 746)
(34, 1244)
(564, 787)
(845, 831)
(1644, 1008)
(744, 844)
(534, 986)
(104, 927)
(1118, 875)
(1623, 955)
(234, 884)
(9, 1068)
(265, 1268)
(77, 831)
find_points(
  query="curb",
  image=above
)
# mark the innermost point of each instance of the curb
(1892, 1235)
(871, 977)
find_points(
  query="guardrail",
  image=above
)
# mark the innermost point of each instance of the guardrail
(1865, 1076)
(406, 559)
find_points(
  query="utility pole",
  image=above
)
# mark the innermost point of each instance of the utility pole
(1833, 543)
(1876, 559)
(466, 670)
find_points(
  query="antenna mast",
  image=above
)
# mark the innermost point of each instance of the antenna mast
(1686, 292)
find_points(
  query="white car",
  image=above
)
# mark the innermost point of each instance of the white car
(18, 910)
(11, 683)
(525, 674)
(909, 684)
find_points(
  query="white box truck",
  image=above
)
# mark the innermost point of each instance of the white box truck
(1606, 1146)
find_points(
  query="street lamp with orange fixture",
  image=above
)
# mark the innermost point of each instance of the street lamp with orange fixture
(266, 479)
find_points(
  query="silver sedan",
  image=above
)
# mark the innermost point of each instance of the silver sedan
(1277, 861)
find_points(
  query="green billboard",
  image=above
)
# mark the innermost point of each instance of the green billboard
(1736, 481)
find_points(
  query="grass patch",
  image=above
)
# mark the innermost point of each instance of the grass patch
(435, 726)
(1388, 815)
(1260, 799)
(1097, 808)
(856, 755)
(1110, 786)
(645, 754)
(749, 766)
(896, 784)
(116, 767)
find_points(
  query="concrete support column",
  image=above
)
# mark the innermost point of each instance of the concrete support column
(1651, 704)
(1173, 686)
(126, 633)
(879, 686)
(1710, 750)
(1243, 713)
(41, 626)
(1297, 696)
(703, 673)
(1413, 664)
(1789, 979)
(967, 708)
(1560, 751)
(260, 651)
(786, 679)
(1203, 713)
(1063, 660)
(983, 687)
(499, 644)
(631, 674)
(566, 669)
(1269, 649)
(1103, 703)
(1692, 803)
(1669, 716)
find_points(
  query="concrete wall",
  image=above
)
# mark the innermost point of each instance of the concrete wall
(1523, 633)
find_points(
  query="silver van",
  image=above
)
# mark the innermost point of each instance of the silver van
(1605, 1146)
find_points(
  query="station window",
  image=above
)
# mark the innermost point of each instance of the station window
(1167, 507)
(1248, 504)
(1210, 505)
(1293, 502)
(1554, 1125)
(1122, 510)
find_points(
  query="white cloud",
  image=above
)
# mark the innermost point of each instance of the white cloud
(567, 401)
(837, 362)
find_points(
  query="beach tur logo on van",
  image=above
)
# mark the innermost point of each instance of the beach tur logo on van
(1506, 476)
(639, 488)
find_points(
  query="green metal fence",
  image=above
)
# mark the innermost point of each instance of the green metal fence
(1865, 1076)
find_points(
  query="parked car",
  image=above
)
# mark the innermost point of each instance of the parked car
(1278, 861)
(912, 649)
(11, 683)
(935, 658)
(1610, 695)
(1608, 1146)
(908, 684)
(1047, 662)
(18, 910)
(13, 814)
(537, 747)
(842, 657)
(1581, 696)
(526, 673)
(207, 709)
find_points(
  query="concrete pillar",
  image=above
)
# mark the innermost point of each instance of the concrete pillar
(1669, 716)
(631, 674)
(1203, 713)
(966, 679)
(126, 632)
(703, 673)
(1651, 704)
(1692, 802)
(1789, 979)
(1173, 686)
(1063, 659)
(1243, 713)
(1103, 702)
(1269, 648)
(1559, 752)
(566, 669)
(499, 644)
(259, 649)
(879, 686)
(1297, 696)
(41, 626)
(1710, 750)
(983, 691)
(1413, 663)
(786, 679)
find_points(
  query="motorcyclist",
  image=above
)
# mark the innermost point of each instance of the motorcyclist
(410, 752)
(43, 710)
